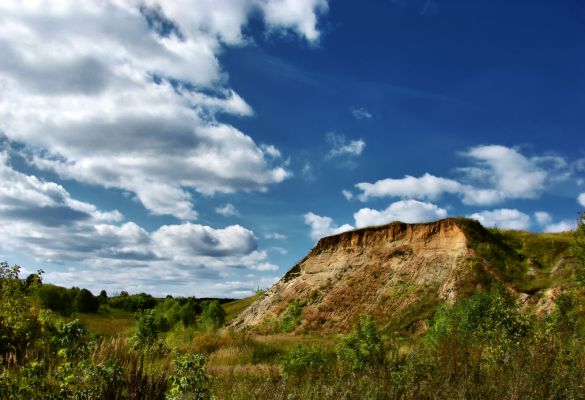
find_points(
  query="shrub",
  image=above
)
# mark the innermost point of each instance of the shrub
(212, 316)
(363, 347)
(189, 380)
(301, 359)
(86, 302)
(292, 316)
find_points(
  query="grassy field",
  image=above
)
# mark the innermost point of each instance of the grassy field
(110, 322)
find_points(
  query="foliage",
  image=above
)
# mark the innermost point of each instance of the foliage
(133, 303)
(292, 316)
(485, 317)
(172, 311)
(301, 359)
(362, 348)
(212, 316)
(146, 338)
(189, 380)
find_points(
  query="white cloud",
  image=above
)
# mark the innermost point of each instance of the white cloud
(227, 210)
(98, 96)
(47, 224)
(498, 173)
(504, 218)
(340, 146)
(426, 187)
(323, 226)
(274, 236)
(361, 113)
(562, 226)
(581, 199)
(297, 15)
(347, 194)
(543, 218)
(409, 211)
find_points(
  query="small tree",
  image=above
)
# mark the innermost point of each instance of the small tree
(363, 347)
(213, 316)
(86, 302)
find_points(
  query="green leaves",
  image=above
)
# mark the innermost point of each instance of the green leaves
(363, 347)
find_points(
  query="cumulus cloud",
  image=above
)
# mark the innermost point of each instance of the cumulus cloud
(227, 210)
(127, 94)
(581, 199)
(47, 224)
(504, 218)
(361, 113)
(497, 173)
(341, 146)
(562, 226)
(323, 226)
(543, 218)
(409, 211)
(426, 187)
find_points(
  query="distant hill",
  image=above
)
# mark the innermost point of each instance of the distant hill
(401, 273)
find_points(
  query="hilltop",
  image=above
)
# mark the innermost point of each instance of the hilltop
(401, 273)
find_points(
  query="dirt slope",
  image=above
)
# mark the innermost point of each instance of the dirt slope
(381, 271)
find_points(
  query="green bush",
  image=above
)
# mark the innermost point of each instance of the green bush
(292, 316)
(189, 380)
(363, 348)
(212, 316)
(301, 359)
(485, 317)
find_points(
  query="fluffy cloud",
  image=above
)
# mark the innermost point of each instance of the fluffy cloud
(323, 226)
(409, 211)
(426, 187)
(46, 223)
(341, 146)
(125, 94)
(228, 210)
(562, 226)
(497, 173)
(543, 218)
(504, 218)
(581, 199)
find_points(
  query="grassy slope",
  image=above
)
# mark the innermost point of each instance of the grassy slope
(109, 322)
(234, 308)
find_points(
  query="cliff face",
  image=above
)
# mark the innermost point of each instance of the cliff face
(392, 272)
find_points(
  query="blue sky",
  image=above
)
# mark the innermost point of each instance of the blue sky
(201, 148)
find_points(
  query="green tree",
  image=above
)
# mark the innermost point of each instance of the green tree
(86, 302)
(212, 316)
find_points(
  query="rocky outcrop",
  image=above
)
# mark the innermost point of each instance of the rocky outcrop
(383, 271)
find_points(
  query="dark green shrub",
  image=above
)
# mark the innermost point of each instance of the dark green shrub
(363, 348)
(86, 302)
(302, 359)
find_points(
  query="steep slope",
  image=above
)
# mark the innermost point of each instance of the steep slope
(399, 273)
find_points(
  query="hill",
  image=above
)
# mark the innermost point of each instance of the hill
(401, 273)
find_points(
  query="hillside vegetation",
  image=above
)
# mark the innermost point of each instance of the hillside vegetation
(509, 325)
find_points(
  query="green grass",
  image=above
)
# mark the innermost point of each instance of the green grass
(109, 322)
(234, 308)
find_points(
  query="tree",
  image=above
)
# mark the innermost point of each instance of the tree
(213, 315)
(86, 302)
